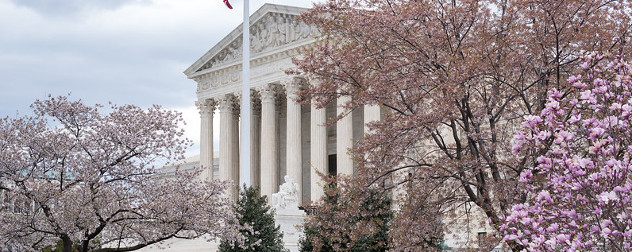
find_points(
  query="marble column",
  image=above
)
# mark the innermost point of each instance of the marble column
(344, 138)
(318, 150)
(255, 139)
(234, 173)
(227, 150)
(294, 151)
(371, 114)
(206, 107)
(3, 199)
(269, 145)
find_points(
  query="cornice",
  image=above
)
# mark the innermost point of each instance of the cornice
(263, 58)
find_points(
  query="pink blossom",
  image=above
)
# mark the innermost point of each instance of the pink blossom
(546, 196)
(531, 121)
(595, 132)
(562, 238)
(608, 196)
(526, 176)
(585, 196)
(574, 78)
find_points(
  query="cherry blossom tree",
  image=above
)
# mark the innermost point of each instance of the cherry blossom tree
(75, 174)
(454, 80)
(579, 195)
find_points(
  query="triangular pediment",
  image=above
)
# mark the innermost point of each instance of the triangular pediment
(272, 27)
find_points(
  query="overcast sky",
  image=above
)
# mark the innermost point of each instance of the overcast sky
(124, 51)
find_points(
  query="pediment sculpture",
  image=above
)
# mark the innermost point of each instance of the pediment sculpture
(272, 31)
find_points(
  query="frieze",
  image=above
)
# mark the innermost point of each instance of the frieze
(272, 31)
(232, 75)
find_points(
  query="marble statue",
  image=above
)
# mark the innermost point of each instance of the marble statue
(287, 197)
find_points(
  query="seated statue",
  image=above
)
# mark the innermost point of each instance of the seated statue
(287, 197)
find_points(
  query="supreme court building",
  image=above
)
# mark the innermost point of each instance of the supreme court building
(287, 138)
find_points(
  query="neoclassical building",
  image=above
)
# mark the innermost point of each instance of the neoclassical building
(287, 138)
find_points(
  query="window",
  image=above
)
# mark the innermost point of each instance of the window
(481, 236)
(332, 169)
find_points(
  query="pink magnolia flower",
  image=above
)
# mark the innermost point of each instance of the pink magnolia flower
(584, 199)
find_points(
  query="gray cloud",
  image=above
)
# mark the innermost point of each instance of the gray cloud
(58, 8)
(115, 57)
(124, 51)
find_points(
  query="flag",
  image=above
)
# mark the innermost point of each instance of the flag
(228, 4)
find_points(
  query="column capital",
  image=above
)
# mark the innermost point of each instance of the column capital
(268, 93)
(206, 107)
(280, 99)
(293, 85)
(255, 101)
(237, 104)
(227, 103)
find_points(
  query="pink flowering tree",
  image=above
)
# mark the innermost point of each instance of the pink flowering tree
(578, 194)
(74, 175)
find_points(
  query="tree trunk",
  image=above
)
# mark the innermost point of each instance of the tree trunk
(66, 243)
(515, 246)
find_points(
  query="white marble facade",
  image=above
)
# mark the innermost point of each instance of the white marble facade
(287, 138)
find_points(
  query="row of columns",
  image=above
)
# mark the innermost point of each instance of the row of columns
(264, 146)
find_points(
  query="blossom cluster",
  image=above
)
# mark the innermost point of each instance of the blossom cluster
(578, 191)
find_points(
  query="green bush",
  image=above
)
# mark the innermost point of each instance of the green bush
(254, 211)
(324, 230)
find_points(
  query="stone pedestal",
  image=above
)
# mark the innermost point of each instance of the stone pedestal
(291, 222)
(287, 215)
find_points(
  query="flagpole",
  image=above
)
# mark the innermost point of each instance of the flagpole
(244, 162)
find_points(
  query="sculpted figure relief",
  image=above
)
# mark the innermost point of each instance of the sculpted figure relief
(304, 30)
(234, 51)
(215, 81)
(273, 31)
(259, 39)
(277, 31)
(270, 32)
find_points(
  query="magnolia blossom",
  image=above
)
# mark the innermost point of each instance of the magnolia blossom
(579, 191)
(73, 174)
